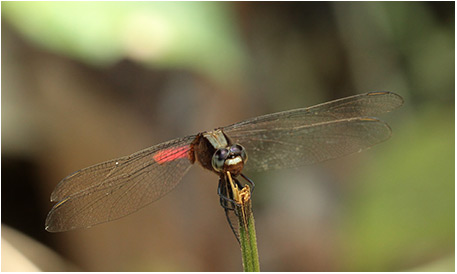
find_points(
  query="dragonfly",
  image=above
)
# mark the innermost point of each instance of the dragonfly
(113, 189)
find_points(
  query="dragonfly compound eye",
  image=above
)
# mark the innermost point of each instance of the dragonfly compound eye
(238, 150)
(219, 158)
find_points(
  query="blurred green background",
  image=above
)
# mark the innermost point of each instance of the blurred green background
(84, 82)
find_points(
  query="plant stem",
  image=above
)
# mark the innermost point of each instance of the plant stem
(248, 242)
(248, 238)
(246, 227)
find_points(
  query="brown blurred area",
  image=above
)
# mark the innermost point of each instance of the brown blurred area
(61, 113)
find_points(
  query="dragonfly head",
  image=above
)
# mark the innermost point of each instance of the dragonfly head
(230, 159)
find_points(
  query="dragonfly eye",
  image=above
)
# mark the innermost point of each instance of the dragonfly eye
(219, 158)
(238, 150)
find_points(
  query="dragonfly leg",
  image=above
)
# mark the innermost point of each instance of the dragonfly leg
(232, 227)
(249, 181)
(229, 205)
(225, 201)
(238, 183)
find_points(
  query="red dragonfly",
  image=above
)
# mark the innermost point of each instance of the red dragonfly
(116, 188)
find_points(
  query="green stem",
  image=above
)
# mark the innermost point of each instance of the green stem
(248, 242)
(246, 227)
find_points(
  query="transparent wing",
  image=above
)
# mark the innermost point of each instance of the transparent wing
(361, 105)
(113, 189)
(308, 135)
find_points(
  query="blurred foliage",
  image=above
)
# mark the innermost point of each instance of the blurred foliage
(401, 210)
(408, 206)
(198, 36)
(430, 58)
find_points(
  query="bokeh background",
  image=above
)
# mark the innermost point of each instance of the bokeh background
(86, 82)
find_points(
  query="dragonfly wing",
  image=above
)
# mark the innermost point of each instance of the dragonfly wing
(361, 105)
(113, 189)
(302, 145)
(318, 133)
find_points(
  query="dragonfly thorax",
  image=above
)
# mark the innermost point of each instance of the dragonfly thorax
(229, 159)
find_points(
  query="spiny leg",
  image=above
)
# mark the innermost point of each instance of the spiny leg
(249, 181)
(224, 195)
(231, 223)
(229, 206)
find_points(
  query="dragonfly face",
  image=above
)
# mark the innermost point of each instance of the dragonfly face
(230, 159)
(227, 157)
(215, 152)
(116, 188)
